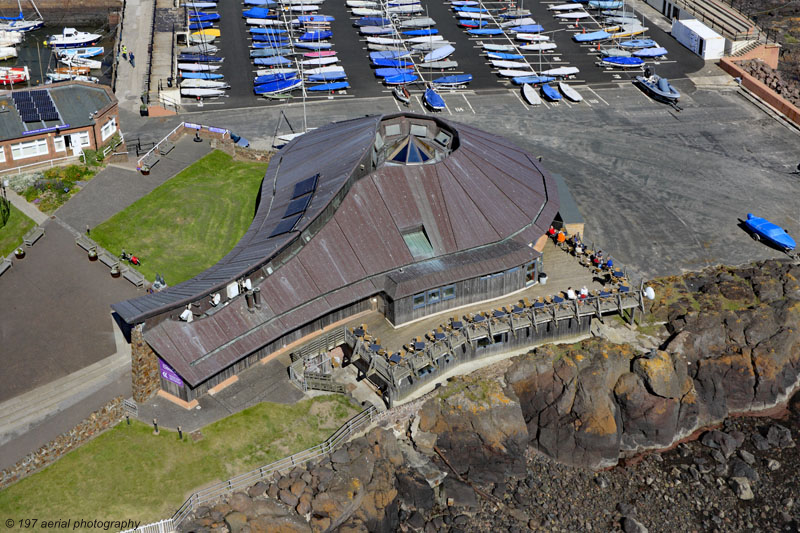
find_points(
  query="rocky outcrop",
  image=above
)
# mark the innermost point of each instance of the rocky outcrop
(773, 79)
(734, 348)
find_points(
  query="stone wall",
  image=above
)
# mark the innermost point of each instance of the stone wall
(144, 367)
(99, 421)
(760, 89)
(65, 12)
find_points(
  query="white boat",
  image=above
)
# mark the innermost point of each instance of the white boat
(622, 20)
(384, 47)
(539, 47)
(439, 54)
(385, 40)
(499, 47)
(7, 52)
(61, 76)
(418, 22)
(531, 37)
(19, 24)
(199, 5)
(301, 2)
(474, 16)
(268, 71)
(304, 8)
(199, 49)
(367, 12)
(361, 3)
(530, 94)
(201, 92)
(405, 10)
(569, 92)
(263, 22)
(322, 70)
(428, 45)
(501, 63)
(403, 2)
(11, 37)
(72, 38)
(628, 30)
(320, 61)
(198, 39)
(573, 15)
(517, 22)
(425, 39)
(560, 71)
(91, 51)
(515, 73)
(434, 65)
(205, 84)
(198, 67)
(566, 7)
(72, 61)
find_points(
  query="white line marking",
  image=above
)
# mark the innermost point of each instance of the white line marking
(470, 105)
(597, 95)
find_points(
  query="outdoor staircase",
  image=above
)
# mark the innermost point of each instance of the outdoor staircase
(722, 18)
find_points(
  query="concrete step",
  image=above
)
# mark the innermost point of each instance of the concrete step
(720, 17)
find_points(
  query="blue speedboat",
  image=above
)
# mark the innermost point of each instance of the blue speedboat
(453, 80)
(504, 55)
(316, 35)
(201, 75)
(655, 51)
(550, 92)
(434, 100)
(389, 54)
(591, 36)
(393, 63)
(638, 43)
(268, 78)
(761, 228)
(658, 88)
(401, 79)
(532, 80)
(388, 72)
(271, 61)
(485, 31)
(421, 33)
(328, 76)
(621, 61)
(335, 86)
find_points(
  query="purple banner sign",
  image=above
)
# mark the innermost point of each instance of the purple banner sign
(45, 130)
(169, 374)
(192, 126)
(217, 130)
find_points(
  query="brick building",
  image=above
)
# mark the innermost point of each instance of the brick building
(55, 122)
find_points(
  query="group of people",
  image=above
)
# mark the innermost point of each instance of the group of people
(581, 295)
(574, 243)
(128, 56)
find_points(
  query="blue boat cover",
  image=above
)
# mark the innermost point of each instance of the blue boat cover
(270, 39)
(591, 36)
(316, 35)
(656, 51)
(267, 78)
(388, 54)
(269, 52)
(259, 13)
(387, 72)
(335, 86)
(202, 58)
(528, 28)
(201, 75)
(277, 86)
(469, 9)
(271, 61)
(770, 231)
(485, 31)
(201, 25)
(504, 55)
(266, 31)
(402, 78)
(532, 80)
(271, 44)
(315, 18)
(623, 61)
(313, 46)
(455, 79)
(472, 23)
(204, 17)
(373, 21)
(263, 3)
(396, 63)
(638, 43)
(550, 92)
(328, 76)
(434, 99)
(421, 33)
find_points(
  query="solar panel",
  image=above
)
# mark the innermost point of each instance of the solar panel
(306, 186)
(285, 226)
(297, 206)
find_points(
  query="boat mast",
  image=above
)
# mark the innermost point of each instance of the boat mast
(34, 7)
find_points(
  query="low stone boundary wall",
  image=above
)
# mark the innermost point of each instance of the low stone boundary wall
(99, 421)
(761, 90)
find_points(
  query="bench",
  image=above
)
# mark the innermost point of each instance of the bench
(150, 160)
(5, 265)
(86, 243)
(134, 276)
(33, 235)
(165, 147)
(108, 259)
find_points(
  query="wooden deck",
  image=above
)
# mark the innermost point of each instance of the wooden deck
(563, 271)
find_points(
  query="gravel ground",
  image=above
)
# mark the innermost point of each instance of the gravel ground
(687, 489)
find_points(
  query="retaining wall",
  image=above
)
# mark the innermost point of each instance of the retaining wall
(761, 90)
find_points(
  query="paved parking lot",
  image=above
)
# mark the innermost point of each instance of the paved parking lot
(353, 53)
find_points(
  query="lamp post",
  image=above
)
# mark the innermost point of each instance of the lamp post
(5, 184)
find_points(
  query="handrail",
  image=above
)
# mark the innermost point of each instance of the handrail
(196, 127)
(49, 163)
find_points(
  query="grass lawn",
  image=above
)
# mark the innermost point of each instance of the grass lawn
(11, 234)
(129, 473)
(190, 222)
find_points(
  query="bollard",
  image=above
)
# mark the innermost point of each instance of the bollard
(128, 419)
(180, 433)
(155, 426)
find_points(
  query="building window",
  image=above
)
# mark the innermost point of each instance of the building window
(418, 243)
(2, 154)
(109, 128)
(449, 292)
(434, 296)
(486, 278)
(497, 275)
(58, 142)
(512, 270)
(29, 149)
(83, 139)
(419, 300)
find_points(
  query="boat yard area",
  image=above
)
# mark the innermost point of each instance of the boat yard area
(352, 52)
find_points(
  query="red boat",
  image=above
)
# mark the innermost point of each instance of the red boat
(14, 75)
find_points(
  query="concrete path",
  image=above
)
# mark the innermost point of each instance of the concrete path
(116, 187)
(28, 209)
(137, 20)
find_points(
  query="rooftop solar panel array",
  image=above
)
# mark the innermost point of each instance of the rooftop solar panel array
(306, 186)
(35, 106)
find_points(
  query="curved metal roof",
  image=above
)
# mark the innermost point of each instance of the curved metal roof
(480, 207)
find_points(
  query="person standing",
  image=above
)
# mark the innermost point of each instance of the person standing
(124, 52)
(133, 65)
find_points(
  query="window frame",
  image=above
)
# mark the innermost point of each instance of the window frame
(113, 122)
(452, 288)
(38, 144)
(431, 299)
(414, 304)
